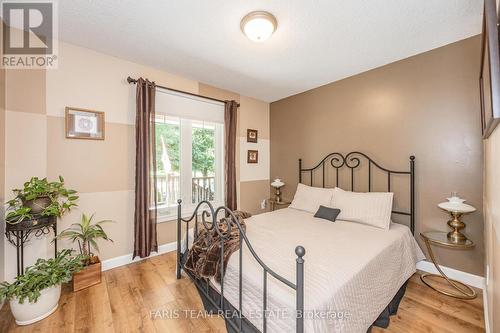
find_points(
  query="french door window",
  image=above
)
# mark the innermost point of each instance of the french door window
(189, 158)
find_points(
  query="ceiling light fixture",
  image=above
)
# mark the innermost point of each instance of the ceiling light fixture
(259, 25)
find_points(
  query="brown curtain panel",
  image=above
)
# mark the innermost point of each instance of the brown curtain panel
(230, 122)
(145, 239)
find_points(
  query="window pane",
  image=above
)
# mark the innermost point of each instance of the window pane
(168, 143)
(203, 162)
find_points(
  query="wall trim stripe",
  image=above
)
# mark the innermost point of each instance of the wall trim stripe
(464, 277)
(127, 258)
(258, 180)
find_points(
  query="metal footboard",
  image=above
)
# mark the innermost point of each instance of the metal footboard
(209, 219)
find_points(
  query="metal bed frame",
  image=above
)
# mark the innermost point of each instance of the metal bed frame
(212, 219)
(352, 161)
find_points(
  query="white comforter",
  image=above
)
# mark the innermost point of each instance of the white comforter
(352, 271)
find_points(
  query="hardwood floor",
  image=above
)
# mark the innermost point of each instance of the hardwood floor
(144, 296)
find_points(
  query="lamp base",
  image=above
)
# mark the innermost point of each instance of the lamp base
(278, 195)
(456, 236)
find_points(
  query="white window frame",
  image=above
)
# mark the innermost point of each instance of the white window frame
(169, 213)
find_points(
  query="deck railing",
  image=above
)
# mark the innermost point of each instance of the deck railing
(168, 189)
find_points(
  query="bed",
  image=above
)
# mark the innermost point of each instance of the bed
(343, 277)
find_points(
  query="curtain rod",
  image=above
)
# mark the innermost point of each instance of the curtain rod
(131, 80)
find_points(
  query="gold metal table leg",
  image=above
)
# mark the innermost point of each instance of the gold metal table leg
(463, 290)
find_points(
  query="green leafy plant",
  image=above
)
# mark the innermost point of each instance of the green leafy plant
(60, 199)
(43, 274)
(86, 233)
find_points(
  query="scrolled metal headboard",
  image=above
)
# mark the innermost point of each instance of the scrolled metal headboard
(352, 161)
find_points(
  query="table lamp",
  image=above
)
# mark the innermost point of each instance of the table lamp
(277, 183)
(456, 207)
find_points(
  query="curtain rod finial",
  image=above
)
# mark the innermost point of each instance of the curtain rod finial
(130, 80)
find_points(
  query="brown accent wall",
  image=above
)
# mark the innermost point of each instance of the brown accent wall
(426, 105)
(252, 193)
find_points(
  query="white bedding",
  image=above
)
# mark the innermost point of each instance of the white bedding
(351, 270)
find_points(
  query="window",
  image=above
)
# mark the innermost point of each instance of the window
(189, 153)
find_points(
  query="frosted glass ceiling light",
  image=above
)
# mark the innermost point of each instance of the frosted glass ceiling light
(258, 26)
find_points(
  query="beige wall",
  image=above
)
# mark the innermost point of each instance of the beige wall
(426, 105)
(492, 226)
(253, 185)
(2, 170)
(25, 147)
(102, 171)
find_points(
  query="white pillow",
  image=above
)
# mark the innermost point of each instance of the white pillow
(372, 208)
(310, 198)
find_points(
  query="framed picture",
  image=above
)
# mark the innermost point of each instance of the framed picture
(84, 124)
(253, 156)
(489, 75)
(252, 135)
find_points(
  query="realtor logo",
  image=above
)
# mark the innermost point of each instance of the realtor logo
(29, 38)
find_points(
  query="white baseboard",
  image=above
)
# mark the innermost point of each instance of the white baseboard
(127, 258)
(464, 277)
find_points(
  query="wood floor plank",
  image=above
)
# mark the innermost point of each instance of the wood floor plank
(101, 308)
(454, 307)
(6, 320)
(123, 309)
(129, 311)
(64, 317)
(145, 296)
(185, 294)
(442, 321)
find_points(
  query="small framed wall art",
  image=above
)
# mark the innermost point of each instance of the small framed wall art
(252, 135)
(253, 156)
(84, 124)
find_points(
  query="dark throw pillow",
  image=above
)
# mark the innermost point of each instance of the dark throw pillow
(327, 213)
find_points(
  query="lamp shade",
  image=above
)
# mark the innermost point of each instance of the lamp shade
(277, 183)
(456, 205)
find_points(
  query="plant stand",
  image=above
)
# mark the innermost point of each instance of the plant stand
(18, 234)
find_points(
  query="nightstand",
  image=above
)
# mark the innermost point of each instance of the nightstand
(440, 238)
(273, 204)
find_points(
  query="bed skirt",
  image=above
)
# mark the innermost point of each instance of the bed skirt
(382, 321)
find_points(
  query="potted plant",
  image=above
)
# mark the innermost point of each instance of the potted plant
(85, 234)
(39, 197)
(35, 294)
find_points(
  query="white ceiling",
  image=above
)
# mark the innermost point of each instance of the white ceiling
(316, 42)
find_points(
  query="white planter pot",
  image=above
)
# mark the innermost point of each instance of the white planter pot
(28, 313)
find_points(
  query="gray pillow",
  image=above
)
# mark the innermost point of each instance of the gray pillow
(327, 213)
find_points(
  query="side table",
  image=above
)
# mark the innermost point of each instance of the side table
(273, 204)
(440, 238)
